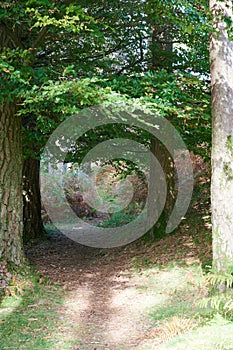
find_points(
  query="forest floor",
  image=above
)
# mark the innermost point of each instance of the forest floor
(143, 296)
(110, 294)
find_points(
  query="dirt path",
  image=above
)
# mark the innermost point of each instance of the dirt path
(107, 304)
(103, 308)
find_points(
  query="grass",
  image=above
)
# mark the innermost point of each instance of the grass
(29, 321)
(180, 285)
(178, 320)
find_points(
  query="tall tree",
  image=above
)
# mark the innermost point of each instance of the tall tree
(161, 52)
(221, 59)
(26, 30)
(11, 206)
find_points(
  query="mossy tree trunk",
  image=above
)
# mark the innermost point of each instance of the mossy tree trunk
(221, 59)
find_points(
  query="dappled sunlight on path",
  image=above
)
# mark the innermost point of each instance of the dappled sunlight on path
(109, 295)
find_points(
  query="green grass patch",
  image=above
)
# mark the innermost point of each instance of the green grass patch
(30, 321)
(180, 288)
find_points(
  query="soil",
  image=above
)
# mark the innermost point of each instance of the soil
(102, 309)
(105, 304)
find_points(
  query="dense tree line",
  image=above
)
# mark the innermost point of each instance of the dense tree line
(57, 58)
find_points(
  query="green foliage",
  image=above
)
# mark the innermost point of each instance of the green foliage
(34, 34)
(15, 76)
(69, 17)
(220, 280)
(177, 293)
(118, 219)
(221, 298)
(44, 69)
(131, 27)
(44, 107)
(157, 232)
(222, 304)
(182, 98)
(187, 25)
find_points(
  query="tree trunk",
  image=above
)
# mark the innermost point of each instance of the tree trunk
(33, 225)
(161, 57)
(11, 206)
(221, 59)
(166, 162)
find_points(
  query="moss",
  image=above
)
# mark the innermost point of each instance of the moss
(228, 171)
(229, 144)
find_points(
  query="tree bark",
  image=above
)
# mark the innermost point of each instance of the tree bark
(221, 60)
(167, 164)
(32, 221)
(161, 57)
(11, 205)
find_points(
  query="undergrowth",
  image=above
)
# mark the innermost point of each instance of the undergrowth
(220, 298)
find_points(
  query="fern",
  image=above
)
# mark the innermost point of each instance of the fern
(220, 279)
(220, 302)
(213, 302)
(168, 329)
